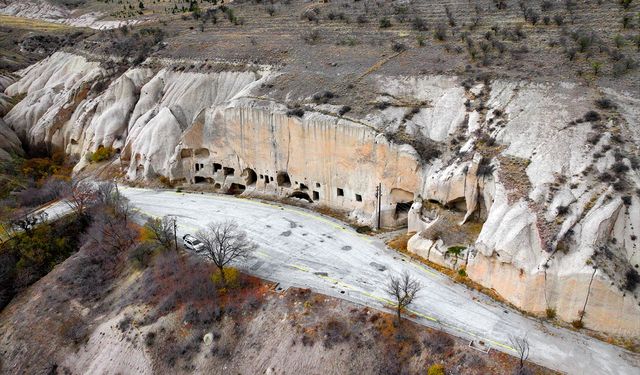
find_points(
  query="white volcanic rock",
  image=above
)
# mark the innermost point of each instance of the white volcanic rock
(210, 129)
(444, 96)
(53, 88)
(45, 11)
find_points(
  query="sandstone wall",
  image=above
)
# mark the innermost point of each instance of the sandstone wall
(327, 160)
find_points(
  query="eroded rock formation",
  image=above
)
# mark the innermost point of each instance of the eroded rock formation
(530, 190)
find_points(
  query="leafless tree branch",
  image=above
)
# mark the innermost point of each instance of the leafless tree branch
(224, 242)
(403, 289)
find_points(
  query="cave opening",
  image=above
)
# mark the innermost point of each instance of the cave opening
(301, 195)
(402, 209)
(283, 179)
(228, 171)
(250, 176)
(236, 189)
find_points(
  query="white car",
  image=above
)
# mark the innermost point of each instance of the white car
(192, 243)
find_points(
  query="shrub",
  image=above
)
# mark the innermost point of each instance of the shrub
(298, 112)
(604, 103)
(421, 40)
(632, 278)
(619, 167)
(577, 324)
(625, 3)
(438, 342)
(485, 168)
(231, 275)
(311, 36)
(452, 21)
(436, 369)
(140, 256)
(594, 138)
(74, 330)
(487, 140)
(419, 24)
(344, 110)
(335, 332)
(322, 97)
(125, 323)
(462, 272)
(384, 23)
(584, 42)
(562, 210)
(551, 313)
(398, 47)
(101, 154)
(440, 33)
(620, 185)
(591, 116)
(150, 339)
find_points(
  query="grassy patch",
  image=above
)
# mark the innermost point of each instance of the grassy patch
(32, 24)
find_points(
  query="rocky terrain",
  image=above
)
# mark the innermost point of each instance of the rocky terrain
(505, 136)
(64, 12)
(111, 326)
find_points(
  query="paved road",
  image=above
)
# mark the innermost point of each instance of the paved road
(304, 249)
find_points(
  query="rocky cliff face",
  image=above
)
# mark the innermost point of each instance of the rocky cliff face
(531, 187)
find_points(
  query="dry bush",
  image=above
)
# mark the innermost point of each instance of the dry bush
(74, 330)
(438, 342)
(173, 282)
(335, 332)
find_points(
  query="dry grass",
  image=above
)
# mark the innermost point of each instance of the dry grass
(513, 174)
(32, 24)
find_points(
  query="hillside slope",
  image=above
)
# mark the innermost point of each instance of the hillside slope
(507, 141)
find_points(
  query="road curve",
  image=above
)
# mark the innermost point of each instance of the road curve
(304, 249)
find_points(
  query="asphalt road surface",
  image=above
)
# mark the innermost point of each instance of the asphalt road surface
(303, 249)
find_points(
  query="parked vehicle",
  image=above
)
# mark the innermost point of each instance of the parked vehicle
(192, 243)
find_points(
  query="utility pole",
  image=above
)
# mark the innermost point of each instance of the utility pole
(175, 234)
(379, 196)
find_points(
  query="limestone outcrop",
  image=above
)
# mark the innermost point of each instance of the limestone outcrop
(528, 186)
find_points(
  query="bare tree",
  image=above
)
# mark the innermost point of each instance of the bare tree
(82, 196)
(106, 193)
(521, 346)
(108, 196)
(110, 232)
(403, 289)
(225, 242)
(161, 231)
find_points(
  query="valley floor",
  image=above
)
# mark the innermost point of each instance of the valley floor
(304, 249)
